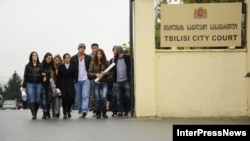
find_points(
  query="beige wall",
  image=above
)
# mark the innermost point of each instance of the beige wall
(186, 84)
(144, 59)
(201, 84)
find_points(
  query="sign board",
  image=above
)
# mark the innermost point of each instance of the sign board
(201, 25)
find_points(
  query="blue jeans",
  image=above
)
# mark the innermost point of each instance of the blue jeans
(82, 89)
(100, 90)
(46, 98)
(122, 90)
(34, 92)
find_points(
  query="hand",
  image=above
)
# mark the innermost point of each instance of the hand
(44, 79)
(43, 74)
(99, 75)
(103, 73)
(23, 89)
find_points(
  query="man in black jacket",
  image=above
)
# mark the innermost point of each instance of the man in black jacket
(121, 78)
(81, 62)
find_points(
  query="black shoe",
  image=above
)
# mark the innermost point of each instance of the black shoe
(57, 115)
(34, 117)
(69, 115)
(33, 110)
(126, 114)
(44, 115)
(48, 115)
(120, 114)
(132, 114)
(64, 117)
(114, 114)
(105, 116)
(84, 114)
(98, 116)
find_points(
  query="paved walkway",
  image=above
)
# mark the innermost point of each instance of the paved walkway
(16, 125)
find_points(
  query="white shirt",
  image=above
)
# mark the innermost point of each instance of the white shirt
(82, 71)
(67, 66)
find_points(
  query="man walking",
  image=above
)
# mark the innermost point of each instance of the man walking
(121, 78)
(81, 63)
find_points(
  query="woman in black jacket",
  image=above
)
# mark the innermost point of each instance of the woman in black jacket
(65, 82)
(32, 82)
(47, 65)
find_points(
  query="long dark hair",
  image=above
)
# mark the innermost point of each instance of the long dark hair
(103, 60)
(30, 58)
(44, 60)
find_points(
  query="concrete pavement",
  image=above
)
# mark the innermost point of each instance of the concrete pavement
(16, 125)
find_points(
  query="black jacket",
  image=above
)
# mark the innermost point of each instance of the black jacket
(32, 74)
(127, 62)
(65, 81)
(75, 63)
(46, 68)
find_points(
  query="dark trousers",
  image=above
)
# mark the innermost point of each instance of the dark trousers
(92, 100)
(46, 98)
(123, 96)
(113, 101)
(67, 103)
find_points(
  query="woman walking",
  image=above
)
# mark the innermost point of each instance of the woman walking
(65, 82)
(96, 70)
(32, 82)
(55, 101)
(47, 65)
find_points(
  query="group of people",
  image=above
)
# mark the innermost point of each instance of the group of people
(72, 80)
